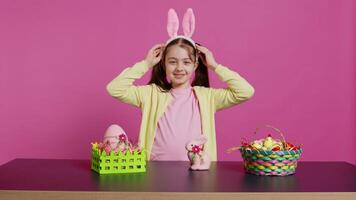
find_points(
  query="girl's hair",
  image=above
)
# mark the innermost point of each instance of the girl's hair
(158, 76)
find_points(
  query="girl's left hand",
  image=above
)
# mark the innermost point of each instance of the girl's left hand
(207, 57)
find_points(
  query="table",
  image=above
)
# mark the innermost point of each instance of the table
(73, 179)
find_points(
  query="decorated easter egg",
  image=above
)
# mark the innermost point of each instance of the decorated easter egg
(268, 142)
(257, 145)
(113, 134)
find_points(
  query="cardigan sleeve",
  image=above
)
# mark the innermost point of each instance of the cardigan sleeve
(238, 90)
(123, 89)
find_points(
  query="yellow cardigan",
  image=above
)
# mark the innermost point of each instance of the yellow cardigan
(153, 102)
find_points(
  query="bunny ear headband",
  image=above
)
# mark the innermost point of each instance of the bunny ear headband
(188, 25)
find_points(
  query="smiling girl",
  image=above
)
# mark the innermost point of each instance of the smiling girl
(178, 104)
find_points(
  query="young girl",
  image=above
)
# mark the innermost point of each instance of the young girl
(178, 105)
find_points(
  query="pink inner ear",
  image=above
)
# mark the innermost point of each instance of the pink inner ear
(188, 23)
(172, 23)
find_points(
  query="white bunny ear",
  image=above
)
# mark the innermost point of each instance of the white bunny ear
(188, 23)
(202, 140)
(172, 23)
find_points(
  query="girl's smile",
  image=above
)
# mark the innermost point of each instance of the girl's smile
(179, 75)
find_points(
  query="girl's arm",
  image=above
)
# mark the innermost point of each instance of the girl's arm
(122, 87)
(238, 90)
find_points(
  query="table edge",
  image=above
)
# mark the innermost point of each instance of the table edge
(108, 195)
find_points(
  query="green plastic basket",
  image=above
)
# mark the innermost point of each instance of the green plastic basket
(115, 163)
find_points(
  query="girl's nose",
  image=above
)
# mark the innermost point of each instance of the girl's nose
(179, 67)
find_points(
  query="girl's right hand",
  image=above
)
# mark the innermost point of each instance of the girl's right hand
(154, 55)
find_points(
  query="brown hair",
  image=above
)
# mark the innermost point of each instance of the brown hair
(158, 76)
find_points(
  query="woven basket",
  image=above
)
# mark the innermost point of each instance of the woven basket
(275, 163)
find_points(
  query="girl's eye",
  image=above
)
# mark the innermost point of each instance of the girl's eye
(172, 62)
(187, 63)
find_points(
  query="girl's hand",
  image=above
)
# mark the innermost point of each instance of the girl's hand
(154, 55)
(207, 57)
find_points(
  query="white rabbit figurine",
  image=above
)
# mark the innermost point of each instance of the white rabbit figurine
(115, 139)
(199, 159)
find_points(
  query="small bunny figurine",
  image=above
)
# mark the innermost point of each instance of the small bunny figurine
(199, 159)
(115, 139)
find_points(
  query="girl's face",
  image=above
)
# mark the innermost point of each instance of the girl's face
(179, 67)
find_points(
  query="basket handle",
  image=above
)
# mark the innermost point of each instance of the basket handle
(272, 127)
(232, 149)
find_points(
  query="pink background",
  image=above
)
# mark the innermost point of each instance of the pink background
(56, 58)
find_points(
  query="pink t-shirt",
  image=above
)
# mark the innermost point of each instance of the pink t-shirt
(179, 124)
